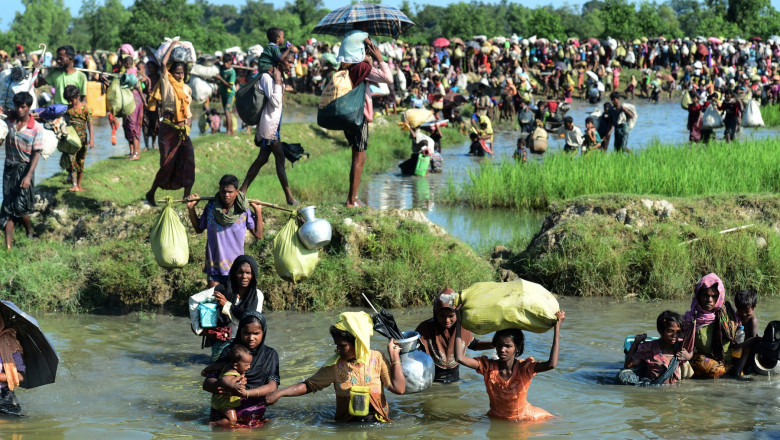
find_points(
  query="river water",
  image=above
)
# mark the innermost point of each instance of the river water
(137, 377)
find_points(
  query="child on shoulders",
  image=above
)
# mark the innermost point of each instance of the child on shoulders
(507, 379)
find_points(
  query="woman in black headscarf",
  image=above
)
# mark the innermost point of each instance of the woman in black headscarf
(235, 298)
(261, 378)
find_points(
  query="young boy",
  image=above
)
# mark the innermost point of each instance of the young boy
(241, 360)
(572, 135)
(745, 302)
(273, 52)
(592, 138)
(227, 90)
(521, 154)
(476, 148)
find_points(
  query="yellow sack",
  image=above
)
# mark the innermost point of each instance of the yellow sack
(417, 116)
(686, 100)
(338, 86)
(521, 304)
(170, 243)
(292, 260)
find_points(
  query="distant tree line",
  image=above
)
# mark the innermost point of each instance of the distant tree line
(216, 27)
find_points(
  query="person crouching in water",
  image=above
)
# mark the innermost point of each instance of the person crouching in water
(656, 362)
(437, 336)
(507, 379)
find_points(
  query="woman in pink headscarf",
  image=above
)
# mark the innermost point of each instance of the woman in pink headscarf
(716, 327)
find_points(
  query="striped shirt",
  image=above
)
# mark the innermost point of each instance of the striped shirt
(19, 145)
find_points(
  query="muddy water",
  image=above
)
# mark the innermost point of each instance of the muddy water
(137, 377)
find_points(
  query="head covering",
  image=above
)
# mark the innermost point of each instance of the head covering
(359, 325)
(439, 342)
(127, 49)
(352, 49)
(248, 301)
(226, 219)
(705, 317)
(265, 361)
(8, 346)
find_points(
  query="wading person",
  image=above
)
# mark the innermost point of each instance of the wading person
(225, 220)
(12, 369)
(352, 57)
(620, 116)
(358, 374)
(267, 136)
(172, 97)
(22, 152)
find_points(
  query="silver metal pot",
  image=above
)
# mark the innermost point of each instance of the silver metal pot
(417, 365)
(315, 232)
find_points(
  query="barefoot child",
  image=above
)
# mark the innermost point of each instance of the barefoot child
(648, 363)
(232, 375)
(79, 116)
(507, 379)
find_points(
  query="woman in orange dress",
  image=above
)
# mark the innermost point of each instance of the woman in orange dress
(507, 379)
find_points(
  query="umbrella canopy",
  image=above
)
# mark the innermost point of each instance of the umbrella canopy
(592, 74)
(377, 19)
(39, 356)
(756, 39)
(593, 41)
(715, 40)
(474, 88)
(456, 40)
(384, 324)
(474, 45)
(441, 42)
(560, 65)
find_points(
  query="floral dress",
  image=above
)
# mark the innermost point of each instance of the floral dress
(79, 119)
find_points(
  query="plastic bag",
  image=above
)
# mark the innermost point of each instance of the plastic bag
(711, 119)
(120, 101)
(195, 301)
(418, 116)
(338, 86)
(292, 261)
(201, 90)
(169, 240)
(752, 116)
(345, 112)
(686, 100)
(50, 143)
(72, 143)
(208, 314)
(250, 101)
(538, 142)
(204, 72)
(185, 54)
(631, 121)
(3, 130)
(489, 307)
(423, 162)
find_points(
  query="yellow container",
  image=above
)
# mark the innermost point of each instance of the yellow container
(96, 99)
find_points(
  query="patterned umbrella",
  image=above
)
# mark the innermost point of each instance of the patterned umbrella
(376, 19)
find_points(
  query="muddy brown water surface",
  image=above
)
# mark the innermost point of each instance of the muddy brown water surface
(137, 377)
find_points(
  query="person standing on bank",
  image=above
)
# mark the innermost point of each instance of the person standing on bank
(267, 136)
(23, 146)
(352, 57)
(620, 116)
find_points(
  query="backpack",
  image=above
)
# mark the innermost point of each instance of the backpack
(769, 346)
(250, 101)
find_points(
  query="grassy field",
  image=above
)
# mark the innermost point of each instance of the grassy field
(93, 250)
(615, 245)
(684, 170)
(771, 115)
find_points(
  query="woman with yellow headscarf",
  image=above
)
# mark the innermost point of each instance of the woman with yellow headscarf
(357, 373)
(172, 97)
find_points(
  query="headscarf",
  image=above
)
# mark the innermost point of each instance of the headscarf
(265, 361)
(352, 49)
(359, 325)
(226, 219)
(705, 317)
(8, 346)
(248, 300)
(439, 342)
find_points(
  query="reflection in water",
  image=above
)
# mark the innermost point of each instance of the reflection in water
(138, 377)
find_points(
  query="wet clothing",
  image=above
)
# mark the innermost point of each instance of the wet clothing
(221, 402)
(439, 342)
(508, 398)
(653, 362)
(343, 375)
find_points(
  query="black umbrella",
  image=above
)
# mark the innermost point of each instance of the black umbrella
(384, 323)
(39, 356)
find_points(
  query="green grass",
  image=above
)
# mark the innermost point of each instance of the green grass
(585, 250)
(771, 115)
(685, 170)
(94, 254)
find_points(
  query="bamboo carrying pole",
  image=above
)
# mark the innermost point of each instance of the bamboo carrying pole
(725, 231)
(257, 202)
(94, 71)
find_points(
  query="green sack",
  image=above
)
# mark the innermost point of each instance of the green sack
(293, 262)
(170, 243)
(345, 112)
(71, 144)
(489, 307)
(120, 101)
(423, 162)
